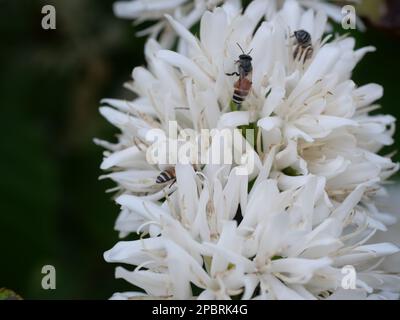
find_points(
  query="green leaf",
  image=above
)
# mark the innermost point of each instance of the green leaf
(7, 294)
(289, 171)
(250, 185)
(233, 106)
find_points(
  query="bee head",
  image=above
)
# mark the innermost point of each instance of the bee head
(245, 57)
(302, 36)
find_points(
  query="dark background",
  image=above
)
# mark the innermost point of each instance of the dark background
(53, 209)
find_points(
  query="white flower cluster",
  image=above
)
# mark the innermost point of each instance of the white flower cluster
(287, 230)
(189, 12)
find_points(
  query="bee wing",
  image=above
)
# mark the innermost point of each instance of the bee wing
(250, 76)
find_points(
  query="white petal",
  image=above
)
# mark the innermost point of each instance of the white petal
(186, 65)
(156, 284)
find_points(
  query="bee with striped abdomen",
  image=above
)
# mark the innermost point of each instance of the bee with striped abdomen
(303, 48)
(166, 176)
(243, 85)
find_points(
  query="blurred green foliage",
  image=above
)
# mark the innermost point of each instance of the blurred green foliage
(53, 209)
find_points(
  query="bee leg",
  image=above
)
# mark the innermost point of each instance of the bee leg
(309, 53)
(232, 74)
(296, 52)
(173, 182)
(304, 55)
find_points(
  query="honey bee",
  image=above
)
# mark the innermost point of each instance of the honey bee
(166, 176)
(303, 47)
(243, 85)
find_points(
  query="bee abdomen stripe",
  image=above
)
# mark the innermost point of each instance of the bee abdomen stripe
(238, 98)
(241, 91)
(164, 177)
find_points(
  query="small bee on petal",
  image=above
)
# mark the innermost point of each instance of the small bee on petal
(243, 85)
(303, 49)
(167, 176)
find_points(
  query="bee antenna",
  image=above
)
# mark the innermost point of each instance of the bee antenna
(240, 47)
(250, 52)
